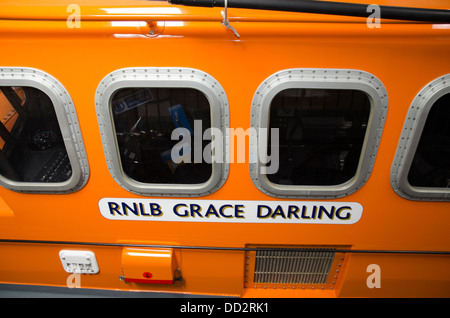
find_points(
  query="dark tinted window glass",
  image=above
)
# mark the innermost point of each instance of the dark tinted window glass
(431, 163)
(32, 147)
(144, 119)
(321, 135)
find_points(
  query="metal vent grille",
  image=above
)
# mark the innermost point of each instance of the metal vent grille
(293, 267)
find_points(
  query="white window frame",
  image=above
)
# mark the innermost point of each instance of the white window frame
(163, 77)
(68, 123)
(409, 140)
(318, 79)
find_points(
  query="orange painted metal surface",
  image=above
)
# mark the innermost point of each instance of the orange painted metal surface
(148, 266)
(404, 56)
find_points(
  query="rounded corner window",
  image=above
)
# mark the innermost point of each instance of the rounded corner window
(421, 168)
(324, 127)
(40, 145)
(162, 130)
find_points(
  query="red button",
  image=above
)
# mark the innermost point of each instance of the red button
(147, 275)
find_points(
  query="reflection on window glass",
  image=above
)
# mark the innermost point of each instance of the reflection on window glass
(321, 135)
(32, 147)
(144, 119)
(431, 163)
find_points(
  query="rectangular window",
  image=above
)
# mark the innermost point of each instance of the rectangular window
(144, 119)
(163, 130)
(32, 146)
(421, 168)
(321, 135)
(431, 163)
(328, 123)
(41, 148)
